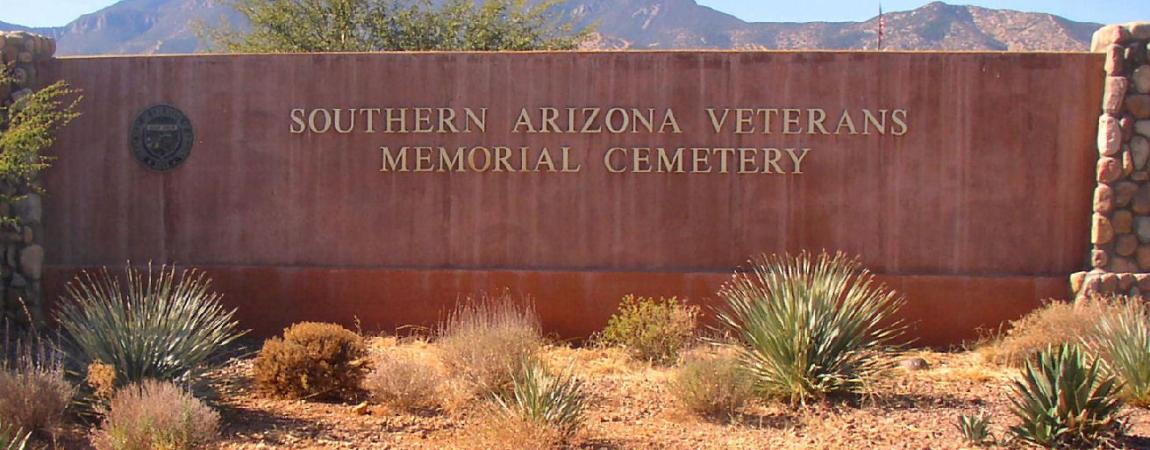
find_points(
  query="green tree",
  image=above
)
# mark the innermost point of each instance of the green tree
(287, 26)
(29, 126)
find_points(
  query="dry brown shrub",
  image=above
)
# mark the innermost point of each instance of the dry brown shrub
(484, 340)
(652, 329)
(313, 360)
(33, 391)
(102, 379)
(406, 381)
(712, 385)
(1055, 323)
(499, 431)
(156, 415)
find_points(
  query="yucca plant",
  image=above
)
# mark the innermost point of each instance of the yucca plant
(1122, 342)
(1063, 400)
(809, 326)
(540, 397)
(975, 429)
(154, 325)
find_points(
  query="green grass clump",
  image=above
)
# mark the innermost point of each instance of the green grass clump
(1122, 341)
(809, 326)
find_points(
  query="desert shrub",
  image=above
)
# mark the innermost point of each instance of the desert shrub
(406, 382)
(34, 393)
(499, 431)
(1054, 324)
(1063, 400)
(156, 415)
(1122, 341)
(154, 325)
(101, 378)
(539, 397)
(651, 329)
(809, 326)
(313, 360)
(713, 387)
(485, 340)
(975, 430)
(35, 399)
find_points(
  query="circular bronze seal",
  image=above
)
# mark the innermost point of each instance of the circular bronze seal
(162, 137)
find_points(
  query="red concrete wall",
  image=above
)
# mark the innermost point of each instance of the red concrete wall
(979, 211)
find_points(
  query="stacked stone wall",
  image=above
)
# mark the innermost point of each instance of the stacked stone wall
(22, 263)
(1120, 225)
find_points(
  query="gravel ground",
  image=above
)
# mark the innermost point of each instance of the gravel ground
(632, 408)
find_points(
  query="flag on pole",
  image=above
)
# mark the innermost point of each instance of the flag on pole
(881, 25)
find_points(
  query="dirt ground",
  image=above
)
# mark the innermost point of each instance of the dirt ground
(632, 408)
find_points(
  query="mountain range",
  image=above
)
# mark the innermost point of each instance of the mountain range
(169, 26)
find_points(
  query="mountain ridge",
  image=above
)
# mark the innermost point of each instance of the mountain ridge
(167, 26)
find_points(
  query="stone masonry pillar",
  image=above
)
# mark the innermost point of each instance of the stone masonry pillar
(1120, 224)
(21, 238)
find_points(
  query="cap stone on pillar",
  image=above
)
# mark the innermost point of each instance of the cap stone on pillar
(1107, 36)
(1138, 30)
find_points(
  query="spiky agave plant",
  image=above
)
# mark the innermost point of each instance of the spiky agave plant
(1122, 342)
(154, 325)
(809, 325)
(541, 397)
(1063, 400)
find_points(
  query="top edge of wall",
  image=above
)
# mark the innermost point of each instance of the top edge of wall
(591, 52)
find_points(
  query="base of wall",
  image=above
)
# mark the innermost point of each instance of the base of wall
(940, 310)
(1097, 282)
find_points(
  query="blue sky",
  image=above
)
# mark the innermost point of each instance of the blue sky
(59, 12)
